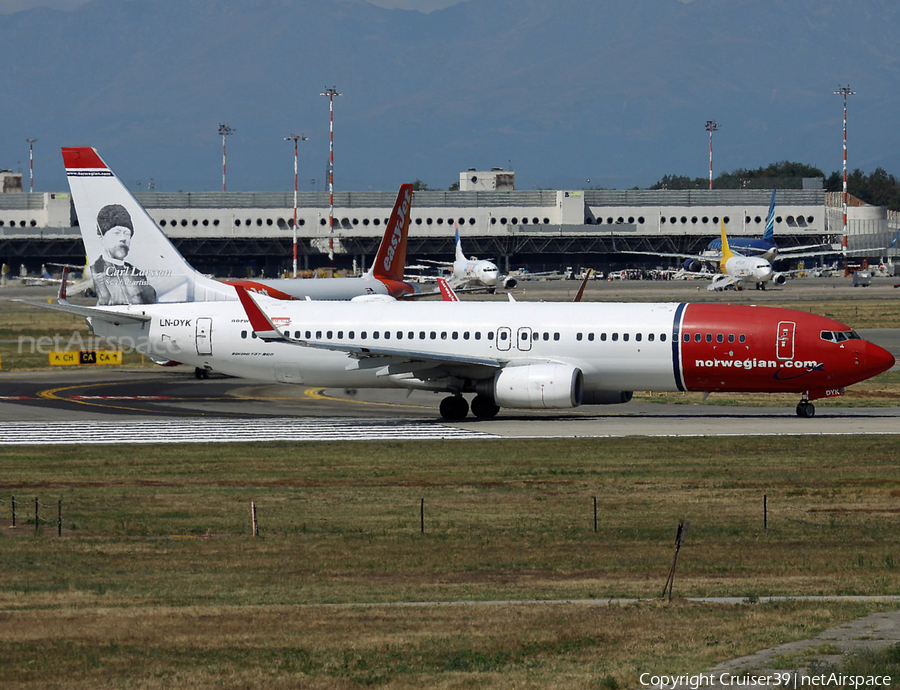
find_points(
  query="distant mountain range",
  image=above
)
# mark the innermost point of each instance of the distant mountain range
(569, 93)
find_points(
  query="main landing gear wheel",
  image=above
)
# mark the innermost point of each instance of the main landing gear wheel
(484, 408)
(454, 408)
(805, 409)
(201, 373)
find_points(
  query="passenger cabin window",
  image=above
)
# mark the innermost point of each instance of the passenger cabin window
(591, 337)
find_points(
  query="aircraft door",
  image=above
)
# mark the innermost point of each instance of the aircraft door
(784, 346)
(204, 335)
(523, 341)
(504, 338)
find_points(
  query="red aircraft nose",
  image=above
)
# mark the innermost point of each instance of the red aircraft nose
(877, 359)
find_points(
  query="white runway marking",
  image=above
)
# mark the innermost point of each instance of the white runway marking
(228, 430)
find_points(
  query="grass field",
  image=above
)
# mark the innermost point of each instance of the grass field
(158, 582)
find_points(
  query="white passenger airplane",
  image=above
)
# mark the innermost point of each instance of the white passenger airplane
(465, 271)
(736, 269)
(115, 227)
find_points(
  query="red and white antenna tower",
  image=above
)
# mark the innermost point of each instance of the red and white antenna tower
(711, 127)
(295, 138)
(224, 130)
(31, 164)
(331, 92)
(845, 91)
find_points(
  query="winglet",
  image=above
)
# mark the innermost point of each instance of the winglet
(726, 250)
(61, 297)
(261, 324)
(390, 261)
(588, 274)
(447, 293)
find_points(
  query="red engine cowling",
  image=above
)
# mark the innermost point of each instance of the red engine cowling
(536, 386)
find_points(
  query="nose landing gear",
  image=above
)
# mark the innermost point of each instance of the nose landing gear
(805, 409)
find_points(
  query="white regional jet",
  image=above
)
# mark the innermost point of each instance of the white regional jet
(116, 228)
(466, 271)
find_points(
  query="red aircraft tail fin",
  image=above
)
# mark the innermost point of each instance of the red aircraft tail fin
(390, 261)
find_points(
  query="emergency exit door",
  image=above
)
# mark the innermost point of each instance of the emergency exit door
(204, 335)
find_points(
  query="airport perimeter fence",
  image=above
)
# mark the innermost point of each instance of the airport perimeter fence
(443, 514)
(23, 509)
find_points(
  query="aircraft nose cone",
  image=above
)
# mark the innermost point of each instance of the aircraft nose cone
(878, 359)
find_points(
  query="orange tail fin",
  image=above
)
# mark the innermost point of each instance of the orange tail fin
(390, 261)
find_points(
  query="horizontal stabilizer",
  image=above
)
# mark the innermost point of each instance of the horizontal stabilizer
(114, 317)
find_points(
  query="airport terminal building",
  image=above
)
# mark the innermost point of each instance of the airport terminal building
(241, 233)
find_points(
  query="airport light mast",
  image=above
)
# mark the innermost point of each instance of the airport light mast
(845, 91)
(711, 127)
(224, 130)
(31, 164)
(331, 92)
(295, 138)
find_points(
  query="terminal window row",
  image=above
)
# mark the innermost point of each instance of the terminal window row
(22, 223)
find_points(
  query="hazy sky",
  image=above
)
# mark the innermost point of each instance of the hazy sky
(7, 6)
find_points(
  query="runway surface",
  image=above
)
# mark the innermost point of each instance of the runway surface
(171, 406)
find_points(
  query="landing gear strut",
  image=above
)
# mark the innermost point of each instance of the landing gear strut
(805, 409)
(484, 408)
(454, 408)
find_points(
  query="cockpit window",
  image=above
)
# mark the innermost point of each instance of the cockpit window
(839, 336)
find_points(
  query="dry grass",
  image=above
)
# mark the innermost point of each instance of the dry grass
(124, 599)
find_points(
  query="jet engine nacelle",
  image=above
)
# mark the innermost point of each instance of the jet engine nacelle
(535, 386)
(509, 283)
(606, 397)
(373, 298)
(779, 278)
(692, 265)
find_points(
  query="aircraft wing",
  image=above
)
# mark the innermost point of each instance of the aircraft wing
(114, 317)
(698, 257)
(787, 255)
(722, 281)
(399, 359)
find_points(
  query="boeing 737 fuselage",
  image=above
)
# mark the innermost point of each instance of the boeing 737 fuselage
(516, 355)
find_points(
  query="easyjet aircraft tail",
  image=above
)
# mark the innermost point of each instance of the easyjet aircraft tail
(130, 259)
(390, 262)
